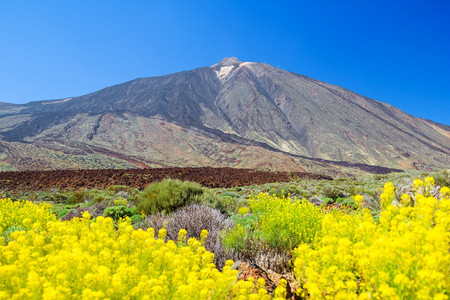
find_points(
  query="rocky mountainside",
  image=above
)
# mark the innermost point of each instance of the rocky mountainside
(235, 114)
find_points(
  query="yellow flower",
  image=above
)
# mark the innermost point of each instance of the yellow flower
(358, 199)
(444, 191)
(243, 210)
(429, 180)
(203, 236)
(182, 236)
(162, 234)
(406, 199)
(86, 215)
(418, 183)
(27, 222)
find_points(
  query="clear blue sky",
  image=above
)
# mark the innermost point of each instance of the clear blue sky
(392, 51)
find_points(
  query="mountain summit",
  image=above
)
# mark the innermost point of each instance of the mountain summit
(234, 113)
(227, 61)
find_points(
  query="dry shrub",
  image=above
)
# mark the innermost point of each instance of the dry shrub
(277, 260)
(156, 222)
(194, 218)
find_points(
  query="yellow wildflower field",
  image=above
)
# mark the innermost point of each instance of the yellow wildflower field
(402, 254)
(90, 259)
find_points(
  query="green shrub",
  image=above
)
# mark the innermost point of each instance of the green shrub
(101, 197)
(332, 192)
(328, 201)
(120, 201)
(208, 198)
(304, 194)
(442, 178)
(171, 194)
(230, 194)
(118, 188)
(229, 205)
(236, 239)
(244, 236)
(248, 221)
(75, 197)
(136, 218)
(118, 212)
(57, 197)
(62, 213)
(347, 202)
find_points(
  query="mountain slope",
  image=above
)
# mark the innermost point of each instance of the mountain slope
(230, 114)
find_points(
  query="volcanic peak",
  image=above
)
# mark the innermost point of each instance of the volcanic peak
(227, 61)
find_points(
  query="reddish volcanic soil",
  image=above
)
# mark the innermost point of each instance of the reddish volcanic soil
(139, 178)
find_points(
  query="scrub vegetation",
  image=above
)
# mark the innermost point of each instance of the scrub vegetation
(368, 237)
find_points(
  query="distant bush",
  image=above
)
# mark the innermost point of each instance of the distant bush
(120, 201)
(278, 192)
(230, 194)
(346, 202)
(101, 197)
(328, 201)
(442, 178)
(228, 204)
(332, 192)
(171, 194)
(76, 197)
(118, 188)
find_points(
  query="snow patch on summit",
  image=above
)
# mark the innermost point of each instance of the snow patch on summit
(224, 71)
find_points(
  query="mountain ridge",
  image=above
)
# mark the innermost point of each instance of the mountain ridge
(239, 104)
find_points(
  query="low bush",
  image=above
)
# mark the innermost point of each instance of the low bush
(243, 242)
(120, 201)
(229, 205)
(118, 188)
(169, 195)
(348, 202)
(101, 197)
(279, 192)
(328, 201)
(118, 212)
(442, 178)
(332, 192)
(76, 197)
(230, 194)
(62, 213)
